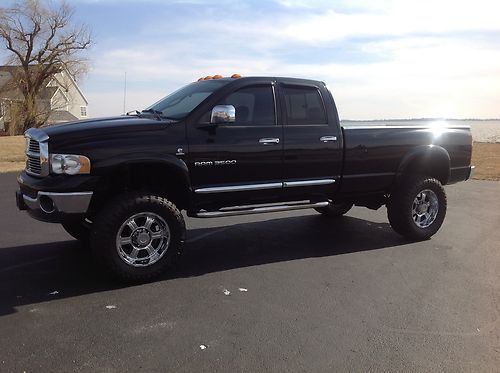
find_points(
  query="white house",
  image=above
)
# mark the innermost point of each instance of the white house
(61, 98)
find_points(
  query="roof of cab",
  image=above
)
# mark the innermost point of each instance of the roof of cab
(285, 80)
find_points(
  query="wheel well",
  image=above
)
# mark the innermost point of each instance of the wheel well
(436, 165)
(166, 180)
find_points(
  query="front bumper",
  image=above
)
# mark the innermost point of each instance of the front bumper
(41, 199)
(54, 207)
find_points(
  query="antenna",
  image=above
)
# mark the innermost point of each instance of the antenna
(125, 93)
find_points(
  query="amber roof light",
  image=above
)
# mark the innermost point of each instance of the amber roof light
(218, 76)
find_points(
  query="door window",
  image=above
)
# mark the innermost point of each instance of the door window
(254, 106)
(304, 106)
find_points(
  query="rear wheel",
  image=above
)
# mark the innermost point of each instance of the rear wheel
(335, 209)
(417, 208)
(138, 236)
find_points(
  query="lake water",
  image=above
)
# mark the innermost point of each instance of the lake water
(482, 130)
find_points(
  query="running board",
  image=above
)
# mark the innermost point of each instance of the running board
(247, 210)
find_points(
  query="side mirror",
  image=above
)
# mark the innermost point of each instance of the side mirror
(223, 114)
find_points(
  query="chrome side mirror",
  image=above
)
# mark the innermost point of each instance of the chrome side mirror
(223, 114)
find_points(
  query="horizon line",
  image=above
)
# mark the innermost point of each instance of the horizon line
(423, 119)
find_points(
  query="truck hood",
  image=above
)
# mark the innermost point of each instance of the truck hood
(100, 125)
(83, 131)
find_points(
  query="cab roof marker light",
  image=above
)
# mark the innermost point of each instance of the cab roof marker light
(218, 76)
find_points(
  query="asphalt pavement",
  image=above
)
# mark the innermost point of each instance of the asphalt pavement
(292, 292)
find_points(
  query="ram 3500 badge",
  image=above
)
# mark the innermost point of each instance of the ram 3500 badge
(215, 163)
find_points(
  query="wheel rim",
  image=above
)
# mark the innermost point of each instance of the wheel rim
(425, 208)
(143, 239)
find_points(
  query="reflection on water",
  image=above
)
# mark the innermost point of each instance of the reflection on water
(482, 130)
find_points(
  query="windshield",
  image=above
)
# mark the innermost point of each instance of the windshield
(179, 104)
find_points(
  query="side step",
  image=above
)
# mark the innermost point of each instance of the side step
(259, 209)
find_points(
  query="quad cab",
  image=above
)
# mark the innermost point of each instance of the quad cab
(231, 146)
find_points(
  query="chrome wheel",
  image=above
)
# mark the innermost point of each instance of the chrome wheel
(143, 239)
(425, 208)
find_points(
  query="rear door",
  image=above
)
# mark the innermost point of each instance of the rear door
(312, 141)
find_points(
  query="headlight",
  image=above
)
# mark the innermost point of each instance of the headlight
(69, 164)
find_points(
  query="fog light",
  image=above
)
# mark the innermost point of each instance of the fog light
(46, 204)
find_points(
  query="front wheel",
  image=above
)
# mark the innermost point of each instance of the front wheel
(138, 236)
(417, 207)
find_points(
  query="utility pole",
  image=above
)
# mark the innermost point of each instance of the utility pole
(125, 94)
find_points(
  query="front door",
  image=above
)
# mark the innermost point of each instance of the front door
(238, 162)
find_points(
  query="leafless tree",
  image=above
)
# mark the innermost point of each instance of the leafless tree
(42, 38)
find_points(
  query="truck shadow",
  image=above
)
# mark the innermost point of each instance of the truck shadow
(38, 273)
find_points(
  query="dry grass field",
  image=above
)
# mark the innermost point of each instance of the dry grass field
(12, 153)
(486, 157)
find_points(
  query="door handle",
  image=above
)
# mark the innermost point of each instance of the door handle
(328, 138)
(269, 141)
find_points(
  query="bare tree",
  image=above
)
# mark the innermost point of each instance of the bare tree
(40, 37)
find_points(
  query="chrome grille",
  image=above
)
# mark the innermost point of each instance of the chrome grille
(33, 164)
(37, 152)
(33, 161)
(34, 146)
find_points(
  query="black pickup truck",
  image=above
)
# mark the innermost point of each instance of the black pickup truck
(231, 146)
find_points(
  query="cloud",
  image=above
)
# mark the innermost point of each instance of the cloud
(401, 19)
(389, 59)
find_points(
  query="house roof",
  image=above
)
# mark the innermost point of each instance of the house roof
(5, 77)
(48, 92)
(59, 116)
(77, 87)
(9, 90)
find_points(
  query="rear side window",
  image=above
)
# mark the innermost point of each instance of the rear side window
(304, 106)
(254, 105)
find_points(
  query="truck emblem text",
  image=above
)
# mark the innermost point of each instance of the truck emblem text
(215, 163)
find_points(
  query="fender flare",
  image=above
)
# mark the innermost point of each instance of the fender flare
(105, 166)
(423, 152)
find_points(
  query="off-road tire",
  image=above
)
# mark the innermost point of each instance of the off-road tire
(78, 229)
(335, 210)
(109, 221)
(400, 207)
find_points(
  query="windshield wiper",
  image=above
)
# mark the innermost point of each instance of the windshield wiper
(158, 114)
(133, 112)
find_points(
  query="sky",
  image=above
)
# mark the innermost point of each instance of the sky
(381, 59)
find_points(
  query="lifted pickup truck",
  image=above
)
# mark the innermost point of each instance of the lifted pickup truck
(231, 146)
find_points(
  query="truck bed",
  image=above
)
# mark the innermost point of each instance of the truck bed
(384, 148)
